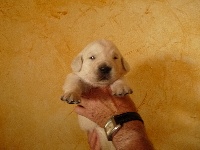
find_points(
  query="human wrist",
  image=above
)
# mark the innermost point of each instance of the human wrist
(115, 123)
(132, 134)
(128, 130)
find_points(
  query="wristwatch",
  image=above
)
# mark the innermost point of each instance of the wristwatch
(115, 123)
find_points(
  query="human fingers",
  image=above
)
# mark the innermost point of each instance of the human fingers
(79, 109)
(102, 97)
(93, 140)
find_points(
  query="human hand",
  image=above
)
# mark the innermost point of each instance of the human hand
(99, 105)
(93, 140)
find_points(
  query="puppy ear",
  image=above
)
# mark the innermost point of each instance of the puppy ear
(77, 63)
(125, 65)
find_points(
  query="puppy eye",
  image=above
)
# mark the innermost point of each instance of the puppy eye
(92, 57)
(115, 57)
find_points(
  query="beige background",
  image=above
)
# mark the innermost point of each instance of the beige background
(39, 38)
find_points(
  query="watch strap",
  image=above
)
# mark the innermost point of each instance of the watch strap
(126, 117)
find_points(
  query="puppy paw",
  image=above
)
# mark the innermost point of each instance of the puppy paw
(71, 98)
(120, 90)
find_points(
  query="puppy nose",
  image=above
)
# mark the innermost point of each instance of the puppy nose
(105, 69)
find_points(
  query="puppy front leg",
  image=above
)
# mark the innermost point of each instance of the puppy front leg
(120, 88)
(72, 89)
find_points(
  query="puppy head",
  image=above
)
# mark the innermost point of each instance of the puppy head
(100, 63)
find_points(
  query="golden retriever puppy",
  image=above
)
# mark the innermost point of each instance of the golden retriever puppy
(99, 64)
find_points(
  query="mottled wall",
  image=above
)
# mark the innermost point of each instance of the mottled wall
(39, 38)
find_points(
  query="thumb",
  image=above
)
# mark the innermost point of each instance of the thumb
(80, 110)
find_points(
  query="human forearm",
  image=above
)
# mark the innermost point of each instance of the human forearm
(132, 135)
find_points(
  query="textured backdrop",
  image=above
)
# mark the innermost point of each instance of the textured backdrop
(39, 38)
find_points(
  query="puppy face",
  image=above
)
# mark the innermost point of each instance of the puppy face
(100, 63)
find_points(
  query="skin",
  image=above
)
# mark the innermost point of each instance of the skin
(99, 105)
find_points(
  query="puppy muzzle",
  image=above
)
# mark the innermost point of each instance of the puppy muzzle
(104, 72)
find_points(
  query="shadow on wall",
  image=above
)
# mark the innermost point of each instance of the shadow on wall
(166, 92)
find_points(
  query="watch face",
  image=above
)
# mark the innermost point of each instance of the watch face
(109, 126)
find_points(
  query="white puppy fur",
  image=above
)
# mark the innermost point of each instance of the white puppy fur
(99, 64)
